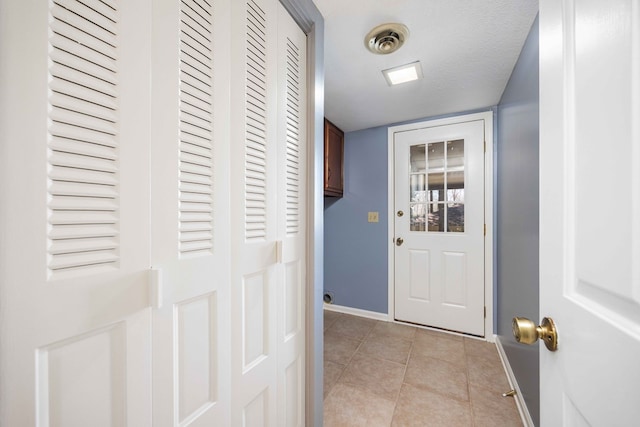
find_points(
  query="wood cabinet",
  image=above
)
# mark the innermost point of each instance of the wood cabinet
(333, 160)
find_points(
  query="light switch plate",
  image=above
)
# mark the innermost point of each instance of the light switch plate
(373, 217)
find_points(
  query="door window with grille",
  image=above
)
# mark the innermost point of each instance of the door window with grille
(437, 186)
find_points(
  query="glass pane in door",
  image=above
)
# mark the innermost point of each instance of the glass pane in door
(436, 217)
(418, 193)
(417, 158)
(455, 154)
(435, 154)
(418, 216)
(437, 186)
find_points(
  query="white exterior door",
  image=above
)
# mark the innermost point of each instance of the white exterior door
(439, 226)
(76, 327)
(190, 213)
(590, 211)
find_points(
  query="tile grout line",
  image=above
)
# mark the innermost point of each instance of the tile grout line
(404, 375)
(466, 366)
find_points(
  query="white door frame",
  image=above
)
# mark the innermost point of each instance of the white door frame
(488, 208)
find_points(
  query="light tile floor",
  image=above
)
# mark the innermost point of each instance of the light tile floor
(387, 374)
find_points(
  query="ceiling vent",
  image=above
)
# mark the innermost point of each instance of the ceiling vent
(386, 38)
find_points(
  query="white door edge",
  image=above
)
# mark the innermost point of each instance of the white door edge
(487, 116)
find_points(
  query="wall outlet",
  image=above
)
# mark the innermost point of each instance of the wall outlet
(373, 217)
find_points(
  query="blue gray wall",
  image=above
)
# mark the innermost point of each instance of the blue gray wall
(517, 216)
(355, 250)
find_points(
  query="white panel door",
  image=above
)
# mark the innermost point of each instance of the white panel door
(292, 214)
(590, 210)
(439, 226)
(76, 327)
(254, 222)
(268, 215)
(190, 212)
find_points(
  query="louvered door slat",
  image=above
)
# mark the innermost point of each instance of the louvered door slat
(79, 203)
(196, 150)
(198, 159)
(82, 232)
(196, 184)
(82, 119)
(193, 86)
(80, 162)
(82, 58)
(93, 11)
(68, 12)
(69, 28)
(83, 136)
(69, 246)
(88, 75)
(63, 145)
(83, 260)
(81, 92)
(82, 217)
(82, 189)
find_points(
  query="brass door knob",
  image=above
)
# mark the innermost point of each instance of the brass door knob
(526, 331)
(399, 241)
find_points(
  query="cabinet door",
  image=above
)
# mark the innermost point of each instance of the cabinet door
(333, 159)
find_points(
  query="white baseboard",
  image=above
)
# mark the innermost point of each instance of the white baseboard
(357, 312)
(520, 403)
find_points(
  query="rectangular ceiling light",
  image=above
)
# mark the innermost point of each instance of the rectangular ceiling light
(403, 74)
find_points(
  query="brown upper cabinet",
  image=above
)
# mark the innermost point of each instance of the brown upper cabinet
(333, 160)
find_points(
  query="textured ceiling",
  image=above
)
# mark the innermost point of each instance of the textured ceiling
(467, 49)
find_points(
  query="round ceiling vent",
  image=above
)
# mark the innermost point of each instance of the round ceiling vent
(386, 38)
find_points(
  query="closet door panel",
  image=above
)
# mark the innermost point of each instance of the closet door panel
(76, 340)
(292, 202)
(253, 220)
(190, 212)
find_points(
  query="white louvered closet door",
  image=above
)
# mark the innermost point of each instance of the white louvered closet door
(292, 230)
(190, 212)
(267, 218)
(253, 213)
(76, 341)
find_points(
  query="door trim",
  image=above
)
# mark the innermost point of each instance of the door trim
(489, 286)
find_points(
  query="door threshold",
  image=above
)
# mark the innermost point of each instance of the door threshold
(436, 329)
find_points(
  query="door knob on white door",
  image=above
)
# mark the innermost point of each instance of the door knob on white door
(526, 331)
(399, 241)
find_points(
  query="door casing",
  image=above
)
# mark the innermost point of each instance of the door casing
(487, 116)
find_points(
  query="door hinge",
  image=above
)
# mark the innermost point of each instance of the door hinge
(485, 146)
(485, 311)
(485, 229)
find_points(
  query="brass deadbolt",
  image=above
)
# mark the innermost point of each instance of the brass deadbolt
(526, 331)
